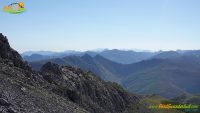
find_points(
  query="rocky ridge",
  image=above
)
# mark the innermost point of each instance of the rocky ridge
(57, 89)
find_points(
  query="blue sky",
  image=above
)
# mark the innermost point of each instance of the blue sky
(91, 24)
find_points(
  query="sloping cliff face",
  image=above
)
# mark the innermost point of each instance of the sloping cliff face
(57, 89)
(86, 90)
(9, 55)
(22, 89)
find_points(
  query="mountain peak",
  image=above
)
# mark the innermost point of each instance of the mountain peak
(5, 50)
(86, 56)
(167, 54)
(10, 55)
(3, 39)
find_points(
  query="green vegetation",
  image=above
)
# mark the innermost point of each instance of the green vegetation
(169, 102)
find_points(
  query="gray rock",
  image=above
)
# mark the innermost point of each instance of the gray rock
(4, 102)
(11, 110)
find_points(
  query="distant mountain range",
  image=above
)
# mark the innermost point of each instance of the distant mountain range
(58, 89)
(119, 56)
(168, 74)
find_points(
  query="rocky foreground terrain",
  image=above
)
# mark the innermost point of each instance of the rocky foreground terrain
(57, 89)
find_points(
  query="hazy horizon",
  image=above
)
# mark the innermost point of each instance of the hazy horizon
(96, 50)
(114, 24)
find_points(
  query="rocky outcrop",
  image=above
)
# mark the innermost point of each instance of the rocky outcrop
(11, 56)
(86, 90)
(23, 90)
(57, 89)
